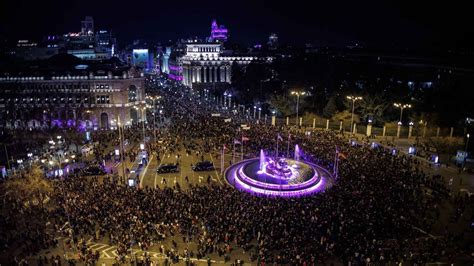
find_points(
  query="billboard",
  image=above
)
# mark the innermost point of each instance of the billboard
(140, 57)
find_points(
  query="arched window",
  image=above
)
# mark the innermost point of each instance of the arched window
(132, 93)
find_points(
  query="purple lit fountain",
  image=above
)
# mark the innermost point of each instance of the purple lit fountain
(275, 176)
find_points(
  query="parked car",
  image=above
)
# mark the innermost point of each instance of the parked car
(167, 168)
(203, 166)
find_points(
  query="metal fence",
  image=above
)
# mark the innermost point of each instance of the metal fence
(387, 131)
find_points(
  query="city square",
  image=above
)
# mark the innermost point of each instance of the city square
(120, 148)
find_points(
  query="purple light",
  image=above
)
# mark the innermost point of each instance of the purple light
(254, 182)
(235, 175)
(175, 77)
(218, 32)
(175, 68)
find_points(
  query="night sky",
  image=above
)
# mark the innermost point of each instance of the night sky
(393, 24)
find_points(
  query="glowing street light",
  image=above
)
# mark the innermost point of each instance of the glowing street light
(467, 142)
(353, 99)
(401, 106)
(298, 94)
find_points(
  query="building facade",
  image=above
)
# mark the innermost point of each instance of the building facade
(88, 99)
(206, 63)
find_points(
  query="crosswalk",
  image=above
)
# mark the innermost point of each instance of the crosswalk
(110, 252)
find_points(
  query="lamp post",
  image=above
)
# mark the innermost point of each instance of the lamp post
(254, 112)
(143, 121)
(298, 94)
(353, 99)
(259, 113)
(401, 106)
(225, 101)
(467, 142)
(121, 148)
(230, 100)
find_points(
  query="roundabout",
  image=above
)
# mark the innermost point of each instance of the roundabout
(279, 177)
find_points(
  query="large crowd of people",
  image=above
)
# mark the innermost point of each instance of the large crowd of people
(382, 208)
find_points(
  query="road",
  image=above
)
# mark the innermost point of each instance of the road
(152, 179)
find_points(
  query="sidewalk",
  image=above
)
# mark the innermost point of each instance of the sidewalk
(457, 181)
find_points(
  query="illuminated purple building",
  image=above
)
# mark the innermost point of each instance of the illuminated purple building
(65, 91)
(218, 32)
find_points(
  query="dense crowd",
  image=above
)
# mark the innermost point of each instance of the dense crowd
(378, 211)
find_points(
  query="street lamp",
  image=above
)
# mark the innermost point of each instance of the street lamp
(259, 113)
(298, 94)
(353, 99)
(143, 120)
(401, 106)
(254, 112)
(467, 142)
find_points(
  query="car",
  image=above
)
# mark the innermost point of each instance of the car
(167, 168)
(203, 166)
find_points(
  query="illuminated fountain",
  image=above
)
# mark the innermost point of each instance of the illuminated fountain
(275, 176)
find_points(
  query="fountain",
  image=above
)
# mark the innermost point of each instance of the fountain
(261, 167)
(297, 152)
(276, 176)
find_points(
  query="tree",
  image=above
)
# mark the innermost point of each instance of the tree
(284, 104)
(371, 106)
(331, 108)
(30, 189)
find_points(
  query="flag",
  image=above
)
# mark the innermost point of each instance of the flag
(237, 142)
(279, 138)
(341, 155)
(224, 147)
(289, 136)
(245, 138)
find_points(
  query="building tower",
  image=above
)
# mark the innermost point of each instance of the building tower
(273, 41)
(87, 26)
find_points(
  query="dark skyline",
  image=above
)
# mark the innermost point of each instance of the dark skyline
(389, 24)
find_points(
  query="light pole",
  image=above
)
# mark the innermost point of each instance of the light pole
(230, 100)
(122, 148)
(353, 99)
(259, 113)
(254, 112)
(143, 108)
(467, 143)
(225, 100)
(401, 106)
(298, 94)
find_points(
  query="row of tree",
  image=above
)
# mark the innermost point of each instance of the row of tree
(328, 79)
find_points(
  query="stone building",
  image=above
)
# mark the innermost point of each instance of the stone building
(65, 91)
